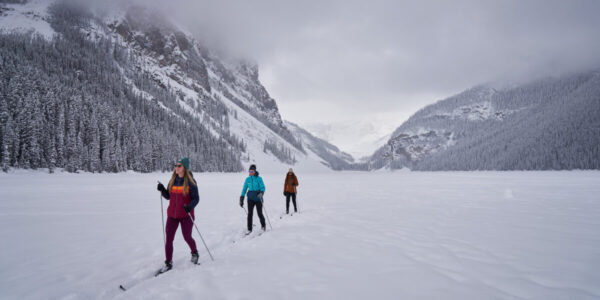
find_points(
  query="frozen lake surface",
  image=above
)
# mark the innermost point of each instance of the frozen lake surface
(402, 235)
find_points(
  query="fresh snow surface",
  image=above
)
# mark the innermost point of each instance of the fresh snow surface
(29, 17)
(401, 235)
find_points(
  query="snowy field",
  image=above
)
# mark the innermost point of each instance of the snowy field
(403, 235)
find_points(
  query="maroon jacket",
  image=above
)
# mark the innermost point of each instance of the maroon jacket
(176, 203)
(177, 199)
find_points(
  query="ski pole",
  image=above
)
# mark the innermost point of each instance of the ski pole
(162, 215)
(266, 214)
(211, 257)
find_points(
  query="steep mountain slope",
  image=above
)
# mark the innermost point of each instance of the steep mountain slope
(548, 124)
(130, 90)
(330, 155)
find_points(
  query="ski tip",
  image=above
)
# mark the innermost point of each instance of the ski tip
(122, 288)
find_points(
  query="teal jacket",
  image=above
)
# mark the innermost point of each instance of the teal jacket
(254, 185)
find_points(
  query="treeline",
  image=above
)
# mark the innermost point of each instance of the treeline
(282, 153)
(69, 103)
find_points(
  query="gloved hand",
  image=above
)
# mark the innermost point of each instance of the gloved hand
(260, 195)
(284, 194)
(187, 208)
(241, 201)
(161, 187)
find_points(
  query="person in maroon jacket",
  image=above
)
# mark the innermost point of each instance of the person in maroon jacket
(182, 193)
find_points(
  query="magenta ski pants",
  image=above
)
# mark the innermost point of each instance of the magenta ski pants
(186, 230)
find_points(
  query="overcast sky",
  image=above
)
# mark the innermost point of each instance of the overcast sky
(337, 60)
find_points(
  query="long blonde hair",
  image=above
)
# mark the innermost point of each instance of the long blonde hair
(187, 179)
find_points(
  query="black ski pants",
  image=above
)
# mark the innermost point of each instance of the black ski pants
(259, 207)
(287, 202)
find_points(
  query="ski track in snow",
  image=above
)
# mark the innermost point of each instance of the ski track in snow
(402, 235)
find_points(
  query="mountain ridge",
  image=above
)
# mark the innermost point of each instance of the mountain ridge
(479, 128)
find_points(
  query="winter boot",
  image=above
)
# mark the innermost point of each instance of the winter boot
(194, 259)
(168, 266)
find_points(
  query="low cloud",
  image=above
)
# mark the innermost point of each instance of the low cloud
(379, 56)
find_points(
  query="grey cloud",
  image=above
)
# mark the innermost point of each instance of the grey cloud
(390, 51)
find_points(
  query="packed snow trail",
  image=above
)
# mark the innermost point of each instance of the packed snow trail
(402, 235)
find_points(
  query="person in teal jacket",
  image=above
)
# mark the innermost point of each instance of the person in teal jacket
(256, 189)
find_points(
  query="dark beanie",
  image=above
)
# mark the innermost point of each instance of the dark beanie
(185, 162)
(252, 167)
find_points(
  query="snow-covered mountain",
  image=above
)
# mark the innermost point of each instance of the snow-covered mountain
(359, 138)
(552, 123)
(329, 154)
(130, 89)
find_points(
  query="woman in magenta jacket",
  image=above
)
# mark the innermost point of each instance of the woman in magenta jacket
(182, 193)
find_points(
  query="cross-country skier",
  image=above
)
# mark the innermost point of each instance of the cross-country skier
(182, 193)
(256, 188)
(289, 190)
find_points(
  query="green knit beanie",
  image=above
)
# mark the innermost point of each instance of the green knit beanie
(185, 162)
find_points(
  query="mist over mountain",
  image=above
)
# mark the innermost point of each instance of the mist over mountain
(360, 138)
